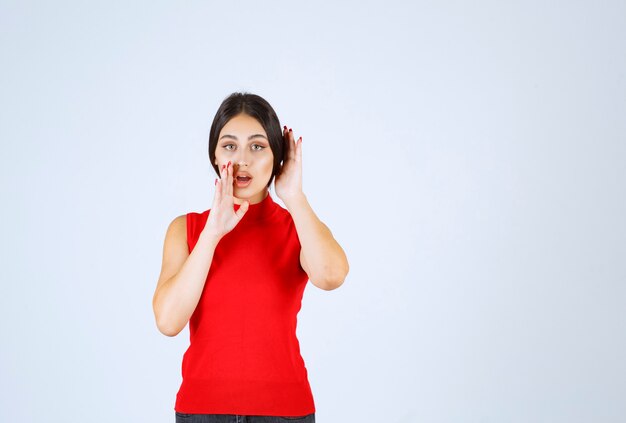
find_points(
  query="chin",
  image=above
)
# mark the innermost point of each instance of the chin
(247, 192)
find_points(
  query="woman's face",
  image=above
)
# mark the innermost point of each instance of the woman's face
(243, 141)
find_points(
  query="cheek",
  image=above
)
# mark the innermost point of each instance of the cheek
(268, 163)
(219, 158)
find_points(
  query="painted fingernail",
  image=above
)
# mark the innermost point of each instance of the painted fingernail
(228, 164)
(215, 181)
(290, 130)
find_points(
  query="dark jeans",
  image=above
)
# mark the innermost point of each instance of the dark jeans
(233, 418)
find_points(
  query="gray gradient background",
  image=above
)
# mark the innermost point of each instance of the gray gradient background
(469, 157)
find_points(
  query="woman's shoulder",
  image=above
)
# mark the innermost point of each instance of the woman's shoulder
(281, 214)
(179, 222)
(176, 233)
(196, 216)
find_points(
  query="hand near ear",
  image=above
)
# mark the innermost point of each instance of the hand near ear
(289, 183)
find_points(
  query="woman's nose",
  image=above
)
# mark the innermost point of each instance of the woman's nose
(241, 158)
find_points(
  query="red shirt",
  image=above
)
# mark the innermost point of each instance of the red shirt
(244, 356)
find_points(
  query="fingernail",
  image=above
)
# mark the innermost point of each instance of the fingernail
(215, 181)
(289, 129)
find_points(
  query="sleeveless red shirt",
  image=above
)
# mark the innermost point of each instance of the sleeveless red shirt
(244, 355)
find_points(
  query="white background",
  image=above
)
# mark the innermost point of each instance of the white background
(468, 156)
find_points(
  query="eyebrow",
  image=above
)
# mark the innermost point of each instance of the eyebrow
(232, 137)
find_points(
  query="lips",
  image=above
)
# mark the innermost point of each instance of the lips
(242, 179)
(243, 176)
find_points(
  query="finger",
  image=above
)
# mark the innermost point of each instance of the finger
(292, 150)
(229, 178)
(286, 139)
(228, 185)
(223, 184)
(299, 151)
(218, 193)
(225, 180)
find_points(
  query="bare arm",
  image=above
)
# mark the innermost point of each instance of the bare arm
(321, 256)
(183, 275)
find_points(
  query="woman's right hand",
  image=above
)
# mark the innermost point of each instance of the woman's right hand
(222, 217)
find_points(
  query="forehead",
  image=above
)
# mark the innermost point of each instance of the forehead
(243, 125)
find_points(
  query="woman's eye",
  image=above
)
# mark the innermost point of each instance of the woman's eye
(260, 147)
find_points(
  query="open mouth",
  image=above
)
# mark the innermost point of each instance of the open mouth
(243, 181)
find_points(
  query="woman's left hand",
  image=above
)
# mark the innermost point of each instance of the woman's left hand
(288, 184)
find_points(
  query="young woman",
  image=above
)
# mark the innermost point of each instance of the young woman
(237, 272)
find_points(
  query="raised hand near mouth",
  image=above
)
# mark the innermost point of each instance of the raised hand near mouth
(222, 217)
